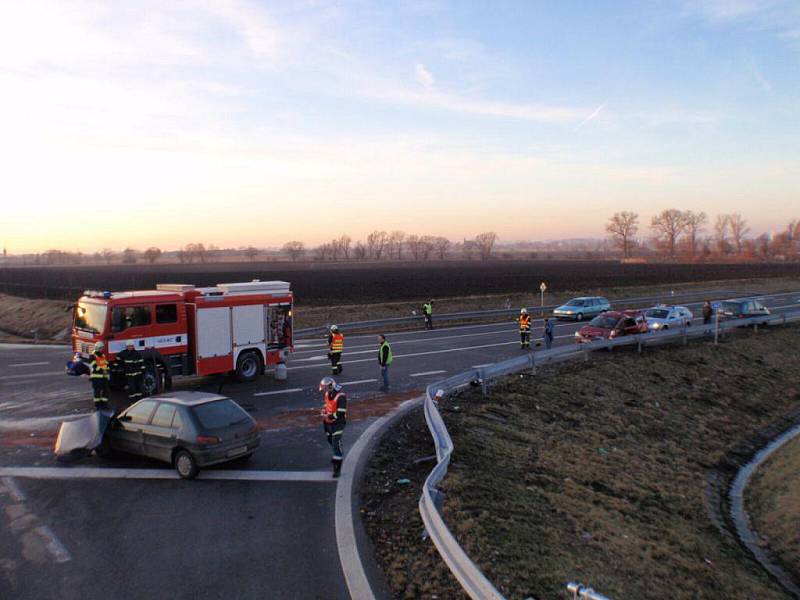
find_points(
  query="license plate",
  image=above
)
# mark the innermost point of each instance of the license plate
(237, 451)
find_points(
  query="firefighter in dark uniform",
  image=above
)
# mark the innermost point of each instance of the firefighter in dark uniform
(334, 419)
(335, 349)
(524, 329)
(99, 375)
(133, 366)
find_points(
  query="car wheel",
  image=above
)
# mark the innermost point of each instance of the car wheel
(579, 317)
(151, 381)
(665, 327)
(186, 465)
(248, 366)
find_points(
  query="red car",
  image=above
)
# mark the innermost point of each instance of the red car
(612, 324)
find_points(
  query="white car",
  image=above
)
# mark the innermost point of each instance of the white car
(663, 317)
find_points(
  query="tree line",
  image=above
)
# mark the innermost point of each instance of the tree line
(683, 232)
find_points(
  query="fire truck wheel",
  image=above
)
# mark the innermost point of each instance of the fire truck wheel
(185, 465)
(248, 366)
(151, 382)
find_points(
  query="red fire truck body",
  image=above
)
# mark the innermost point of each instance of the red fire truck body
(185, 330)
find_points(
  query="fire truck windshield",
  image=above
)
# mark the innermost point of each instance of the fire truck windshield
(90, 316)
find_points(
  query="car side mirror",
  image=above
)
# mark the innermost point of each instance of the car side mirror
(124, 418)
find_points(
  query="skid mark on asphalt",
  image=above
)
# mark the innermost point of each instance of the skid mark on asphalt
(38, 542)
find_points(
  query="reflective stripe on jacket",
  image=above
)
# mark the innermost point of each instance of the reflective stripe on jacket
(98, 367)
(335, 406)
(524, 322)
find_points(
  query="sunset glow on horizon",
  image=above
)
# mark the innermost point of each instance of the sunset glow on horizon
(254, 123)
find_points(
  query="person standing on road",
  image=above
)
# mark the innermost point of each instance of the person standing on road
(133, 367)
(524, 329)
(549, 332)
(99, 374)
(385, 359)
(335, 349)
(427, 311)
(707, 311)
(334, 419)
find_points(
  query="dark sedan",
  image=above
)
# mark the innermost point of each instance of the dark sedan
(186, 429)
(741, 309)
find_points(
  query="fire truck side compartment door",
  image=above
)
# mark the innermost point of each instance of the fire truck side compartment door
(248, 325)
(213, 332)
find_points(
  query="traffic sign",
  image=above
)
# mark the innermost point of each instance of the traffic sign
(543, 287)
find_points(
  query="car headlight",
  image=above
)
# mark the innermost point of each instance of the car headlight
(656, 325)
(569, 312)
(577, 334)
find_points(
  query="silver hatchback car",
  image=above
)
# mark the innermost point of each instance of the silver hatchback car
(582, 308)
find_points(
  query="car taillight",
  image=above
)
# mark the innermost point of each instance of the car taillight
(207, 440)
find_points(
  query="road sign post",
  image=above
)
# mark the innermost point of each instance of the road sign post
(542, 289)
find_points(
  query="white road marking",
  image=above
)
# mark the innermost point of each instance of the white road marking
(276, 392)
(13, 488)
(320, 357)
(427, 373)
(357, 382)
(47, 374)
(30, 364)
(481, 366)
(102, 473)
(53, 545)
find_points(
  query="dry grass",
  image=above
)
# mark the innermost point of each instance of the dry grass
(599, 472)
(773, 503)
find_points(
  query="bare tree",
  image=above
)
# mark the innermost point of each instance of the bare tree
(129, 256)
(668, 225)
(695, 222)
(152, 254)
(344, 245)
(763, 245)
(360, 251)
(721, 235)
(623, 226)
(739, 230)
(376, 243)
(414, 245)
(440, 246)
(322, 252)
(396, 244)
(108, 255)
(427, 244)
(251, 252)
(485, 243)
(294, 249)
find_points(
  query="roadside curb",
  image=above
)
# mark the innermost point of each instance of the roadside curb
(741, 520)
(350, 533)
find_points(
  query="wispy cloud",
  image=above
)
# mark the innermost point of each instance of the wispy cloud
(423, 76)
(592, 116)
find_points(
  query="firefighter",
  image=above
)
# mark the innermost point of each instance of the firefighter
(99, 374)
(133, 367)
(334, 419)
(335, 348)
(427, 311)
(524, 329)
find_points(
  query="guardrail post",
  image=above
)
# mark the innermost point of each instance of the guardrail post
(639, 343)
(585, 353)
(755, 327)
(685, 334)
(481, 376)
(532, 359)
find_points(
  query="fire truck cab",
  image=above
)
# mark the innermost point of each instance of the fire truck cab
(237, 328)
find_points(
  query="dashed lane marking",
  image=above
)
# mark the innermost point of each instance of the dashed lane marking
(115, 473)
(276, 392)
(359, 381)
(481, 366)
(426, 373)
(30, 364)
(46, 374)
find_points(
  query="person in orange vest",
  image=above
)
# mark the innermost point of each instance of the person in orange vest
(524, 329)
(99, 375)
(335, 348)
(334, 419)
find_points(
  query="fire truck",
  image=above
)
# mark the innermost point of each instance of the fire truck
(231, 328)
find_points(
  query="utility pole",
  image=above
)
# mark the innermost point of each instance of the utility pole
(542, 289)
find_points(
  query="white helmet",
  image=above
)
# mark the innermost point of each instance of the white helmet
(334, 328)
(99, 347)
(523, 311)
(327, 382)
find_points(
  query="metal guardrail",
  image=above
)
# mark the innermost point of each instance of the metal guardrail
(476, 314)
(474, 582)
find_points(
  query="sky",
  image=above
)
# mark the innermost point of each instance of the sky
(254, 123)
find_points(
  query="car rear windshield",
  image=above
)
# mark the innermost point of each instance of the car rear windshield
(730, 306)
(219, 413)
(657, 313)
(604, 322)
(575, 302)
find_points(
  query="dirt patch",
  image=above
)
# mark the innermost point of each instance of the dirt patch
(22, 316)
(773, 503)
(599, 472)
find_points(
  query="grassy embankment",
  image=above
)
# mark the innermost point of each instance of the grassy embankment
(20, 316)
(773, 502)
(594, 472)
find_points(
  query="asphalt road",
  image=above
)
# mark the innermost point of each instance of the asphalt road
(132, 536)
